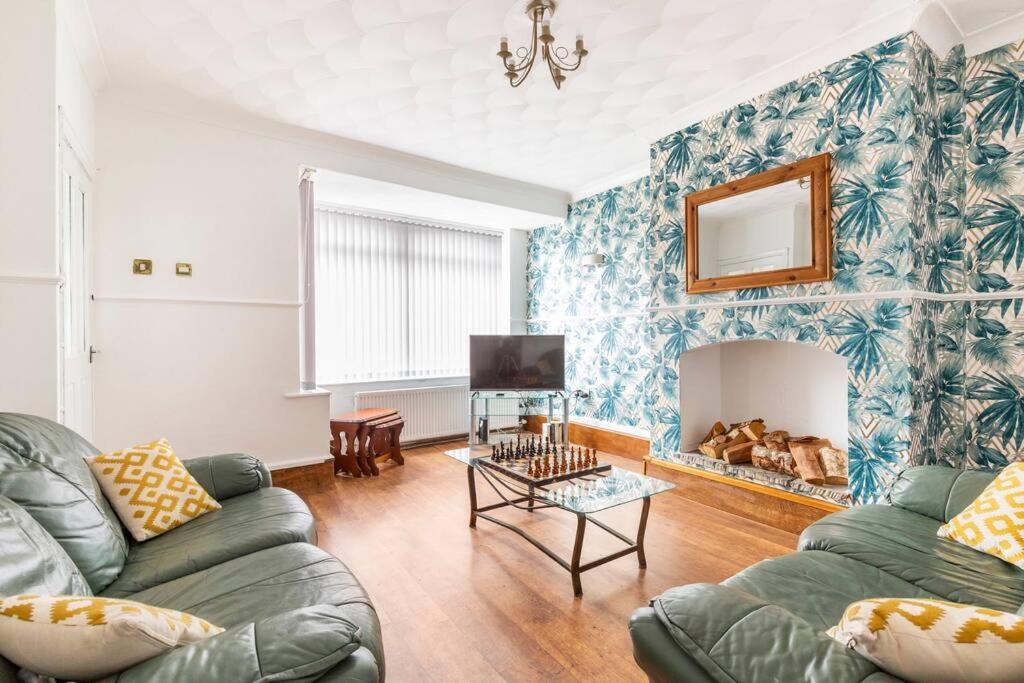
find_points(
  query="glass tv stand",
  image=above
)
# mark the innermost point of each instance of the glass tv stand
(485, 406)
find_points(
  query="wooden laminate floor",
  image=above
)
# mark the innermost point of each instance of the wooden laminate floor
(461, 604)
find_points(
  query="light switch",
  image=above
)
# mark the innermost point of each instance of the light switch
(183, 269)
(142, 266)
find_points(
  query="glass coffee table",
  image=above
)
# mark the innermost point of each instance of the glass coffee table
(579, 494)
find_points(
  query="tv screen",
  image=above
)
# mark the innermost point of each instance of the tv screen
(517, 361)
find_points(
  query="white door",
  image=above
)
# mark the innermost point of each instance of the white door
(76, 348)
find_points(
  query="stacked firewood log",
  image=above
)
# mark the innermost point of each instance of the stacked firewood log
(812, 459)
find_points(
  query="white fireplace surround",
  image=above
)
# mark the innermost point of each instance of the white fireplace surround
(793, 386)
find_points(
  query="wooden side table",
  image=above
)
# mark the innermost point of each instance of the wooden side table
(369, 434)
(382, 441)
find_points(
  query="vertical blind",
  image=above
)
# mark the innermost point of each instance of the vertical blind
(396, 299)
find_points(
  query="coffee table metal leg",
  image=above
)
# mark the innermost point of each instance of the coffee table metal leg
(641, 557)
(577, 551)
(529, 505)
(472, 496)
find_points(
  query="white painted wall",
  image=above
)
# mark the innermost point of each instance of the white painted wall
(76, 95)
(796, 387)
(182, 185)
(28, 207)
(211, 377)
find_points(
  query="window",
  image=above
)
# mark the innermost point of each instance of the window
(397, 299)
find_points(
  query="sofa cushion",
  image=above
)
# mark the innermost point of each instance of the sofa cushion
(935, 640)
(42, 469)
(149, 489)
(245, 524)
(817, 586)
(33, 562)
(938, 491)
(84, 637)
(735, 636)
(267, 583)
(991, 524)
(296, 645)
(905, 544)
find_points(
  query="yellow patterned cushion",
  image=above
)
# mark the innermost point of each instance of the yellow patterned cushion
(83, 638)
(994, 522)
(150, 489)
(935, 641)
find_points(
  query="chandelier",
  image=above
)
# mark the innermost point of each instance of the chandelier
(518, 66)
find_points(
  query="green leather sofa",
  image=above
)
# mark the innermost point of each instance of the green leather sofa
(292, 611)
(768, 622)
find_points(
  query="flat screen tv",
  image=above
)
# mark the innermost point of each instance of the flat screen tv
(534, 362)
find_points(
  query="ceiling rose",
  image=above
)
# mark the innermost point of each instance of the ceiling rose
(519, 65)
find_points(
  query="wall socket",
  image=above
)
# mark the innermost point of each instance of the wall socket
(142, 266)
(183, 269)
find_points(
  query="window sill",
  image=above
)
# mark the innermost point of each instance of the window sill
(308, 393)
(392, 380)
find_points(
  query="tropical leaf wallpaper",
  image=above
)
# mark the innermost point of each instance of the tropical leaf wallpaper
(928, 206)
(601, 310)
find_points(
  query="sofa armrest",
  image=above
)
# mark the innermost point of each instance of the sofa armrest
(938, 491)
(657, 653)
(229, 475)
(736, 637)
(300, 645)
(359, 667)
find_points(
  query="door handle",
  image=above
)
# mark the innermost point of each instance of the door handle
(92, 352)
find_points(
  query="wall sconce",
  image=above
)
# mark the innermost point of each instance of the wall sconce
(592, 260)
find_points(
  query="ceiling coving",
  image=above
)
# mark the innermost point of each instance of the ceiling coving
(518, 66)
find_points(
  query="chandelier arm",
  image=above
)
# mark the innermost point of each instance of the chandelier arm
(523, 66)
(552, 70)
(517, 67)
(527, 61)
(566, 66)
(522, 75)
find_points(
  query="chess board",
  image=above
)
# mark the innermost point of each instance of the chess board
(515, 464)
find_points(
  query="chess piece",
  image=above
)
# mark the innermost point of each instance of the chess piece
(593, 457)
(561, 463)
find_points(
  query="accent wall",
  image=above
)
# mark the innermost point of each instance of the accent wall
(600, 309)
(925, 303)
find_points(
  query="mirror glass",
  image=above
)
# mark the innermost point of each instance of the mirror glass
(758, 231)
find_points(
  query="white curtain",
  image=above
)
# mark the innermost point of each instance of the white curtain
(306, 240)
(399, 300)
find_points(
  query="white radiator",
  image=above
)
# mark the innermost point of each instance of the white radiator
(435, 412)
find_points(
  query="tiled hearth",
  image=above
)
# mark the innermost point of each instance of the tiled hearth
(833, 494)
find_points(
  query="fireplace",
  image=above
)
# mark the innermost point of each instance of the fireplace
(791, 386)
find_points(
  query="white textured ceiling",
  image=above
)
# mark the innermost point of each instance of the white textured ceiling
(421, 76)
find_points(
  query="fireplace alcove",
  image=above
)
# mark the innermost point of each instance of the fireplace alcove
(797, 387)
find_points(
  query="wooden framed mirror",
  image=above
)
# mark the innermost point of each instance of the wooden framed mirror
(773, 228)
